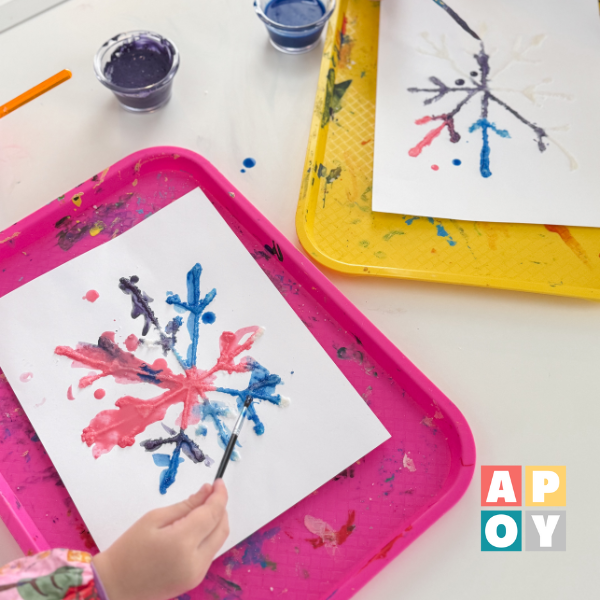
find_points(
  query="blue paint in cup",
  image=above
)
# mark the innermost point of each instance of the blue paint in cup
(294, 26)
(138, 67)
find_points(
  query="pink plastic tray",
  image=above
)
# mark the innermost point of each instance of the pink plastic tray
(377, 506)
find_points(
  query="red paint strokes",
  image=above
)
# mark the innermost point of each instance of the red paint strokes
(110, 335)
(131, 342)
(70, 393)
(91, 296)
(435, 168)
(119, 427)
(327, 536)
(365, 142)
(567, 237)
(426, 141)
(99, 394)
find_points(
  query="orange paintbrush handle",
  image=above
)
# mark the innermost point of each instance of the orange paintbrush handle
(34, 92)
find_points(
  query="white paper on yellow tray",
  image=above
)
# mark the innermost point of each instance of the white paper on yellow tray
(544, 57)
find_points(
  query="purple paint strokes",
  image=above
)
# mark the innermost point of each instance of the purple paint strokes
(480, 86)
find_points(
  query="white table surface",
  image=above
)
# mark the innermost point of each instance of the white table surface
(523, 368)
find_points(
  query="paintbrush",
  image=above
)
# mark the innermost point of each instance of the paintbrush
(457, 18)
(233, 439)
(34, 92)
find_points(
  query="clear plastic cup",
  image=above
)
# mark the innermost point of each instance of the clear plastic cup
(135, 88)
(294, 39)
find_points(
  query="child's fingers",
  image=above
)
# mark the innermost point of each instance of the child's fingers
(204, 519)
(169, 514)
(212, 544)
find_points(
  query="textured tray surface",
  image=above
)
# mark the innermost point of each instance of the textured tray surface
(377, 506)
(337, 227)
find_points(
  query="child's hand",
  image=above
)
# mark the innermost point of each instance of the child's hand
(169, 550)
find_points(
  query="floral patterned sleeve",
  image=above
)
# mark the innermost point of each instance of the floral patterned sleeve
(51, 575)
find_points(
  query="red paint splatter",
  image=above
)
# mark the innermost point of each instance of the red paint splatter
(25, 377)
(327, 536)
(435, 168)
(99, 394)
(91, 296)
(70, 393)
(131, 342)
(567, 237)
(110, 428)
(365, 142)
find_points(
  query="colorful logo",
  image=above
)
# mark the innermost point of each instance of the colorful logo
(502, 529)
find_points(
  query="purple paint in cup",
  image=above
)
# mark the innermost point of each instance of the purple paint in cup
(138, 67)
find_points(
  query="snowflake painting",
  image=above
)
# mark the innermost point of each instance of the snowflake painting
(195, 388)
(477, 88)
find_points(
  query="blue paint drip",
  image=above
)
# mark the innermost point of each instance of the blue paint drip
(195, 305)
(484, 161)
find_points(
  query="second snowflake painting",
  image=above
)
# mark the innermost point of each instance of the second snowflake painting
(133, 360)
(485, 111)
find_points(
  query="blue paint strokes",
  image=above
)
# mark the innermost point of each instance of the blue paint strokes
(443, 233)
(213, 411)
(253, 553)
(167, 477)
(456, 162)
(195, 305)
(249, 163)
(410, 221)
(261, 387)
(484, 125)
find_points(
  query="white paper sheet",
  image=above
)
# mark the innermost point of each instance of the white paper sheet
(544, 59)
(326, 427)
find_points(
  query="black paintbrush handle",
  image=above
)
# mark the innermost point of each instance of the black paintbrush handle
(226, 456)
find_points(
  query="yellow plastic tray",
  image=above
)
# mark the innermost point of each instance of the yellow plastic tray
(337, 228)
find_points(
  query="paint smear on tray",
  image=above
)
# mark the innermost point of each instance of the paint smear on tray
(409, 463)
(567, 237)
(326, 535)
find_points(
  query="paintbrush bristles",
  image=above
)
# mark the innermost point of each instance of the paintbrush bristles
(457, 18)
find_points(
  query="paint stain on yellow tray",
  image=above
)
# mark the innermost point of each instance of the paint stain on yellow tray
(337, 228)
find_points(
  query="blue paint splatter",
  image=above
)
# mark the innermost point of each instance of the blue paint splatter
(456, 162)
(443, 233)
(249, 163)
(209, 318)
